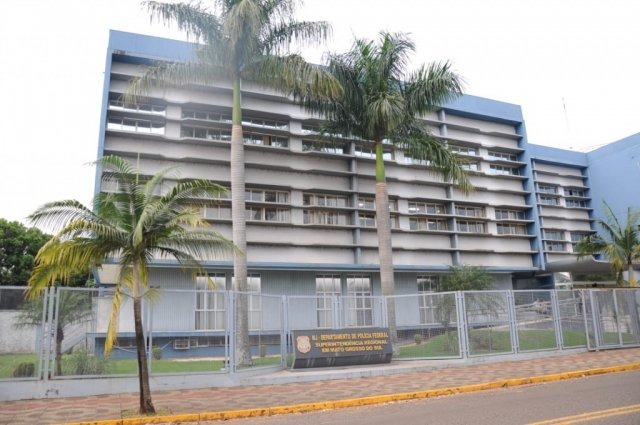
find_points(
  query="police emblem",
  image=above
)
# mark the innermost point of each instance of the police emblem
(303, 344)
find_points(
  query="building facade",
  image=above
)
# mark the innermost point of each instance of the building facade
(311, 225)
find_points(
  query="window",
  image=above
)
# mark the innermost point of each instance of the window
(573, 192)
(210, 302)
(426, 208)
(574, 203)
(470, 166)
(503, 170)
(206, 115)
(117, 105)
(279, 215)
(420, 223)
(511, 229)
(578, 236)
(548, 200)
(273, 196)
(370, 204)
(370, 152)
(213, 212)
(408, 159)
(553, 235)
(329, 218)
(359, 300)
(509, 215)
(324, 200)
(266, 123)
(265, 140)
(463, 150)
(206, 133)
(138, 126)
(427, 285)
(470, 226)
(502, 155)
(546, 188)
(367, 220)
(470, 211)
(325, 146)
(327, 289)
(554, 246)
(310, 129)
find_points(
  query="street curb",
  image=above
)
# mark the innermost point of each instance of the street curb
(361, 401)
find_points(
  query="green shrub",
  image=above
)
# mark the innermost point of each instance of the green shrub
(24, 369)
(156, 353)
(417, 338)
(83, 363)
(262, 350)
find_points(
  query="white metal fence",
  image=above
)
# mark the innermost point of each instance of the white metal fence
(62, 333)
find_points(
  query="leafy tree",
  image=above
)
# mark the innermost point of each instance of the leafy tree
(465, 278)
(619, 242)
(381, 103)
(73, 307)
(18, 248)
(462, 278)
(241, 40)
(132, 226)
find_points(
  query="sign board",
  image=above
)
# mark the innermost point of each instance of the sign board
(341, 347)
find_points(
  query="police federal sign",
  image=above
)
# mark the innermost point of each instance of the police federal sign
(341, 347)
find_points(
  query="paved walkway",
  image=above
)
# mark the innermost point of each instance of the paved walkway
(57, 411)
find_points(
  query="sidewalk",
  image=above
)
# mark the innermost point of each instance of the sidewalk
(95, 408)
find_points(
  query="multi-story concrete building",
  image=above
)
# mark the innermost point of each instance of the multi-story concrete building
(311, 225)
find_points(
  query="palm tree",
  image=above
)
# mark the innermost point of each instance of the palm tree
(381, 103)
(241, 40)
(619, 243)
(134, 225)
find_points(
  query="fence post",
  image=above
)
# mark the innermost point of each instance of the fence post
(284, 331)
(47, 323)
(463, 331)
(616, 314)
(231, 331)
(557, 320)
(513, 322)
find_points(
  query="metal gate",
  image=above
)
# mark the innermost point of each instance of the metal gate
(612, 318)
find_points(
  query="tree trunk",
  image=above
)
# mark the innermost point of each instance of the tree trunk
(146, 405)
(632, 277)
(385, 251)
(238, 215)
(59, 338)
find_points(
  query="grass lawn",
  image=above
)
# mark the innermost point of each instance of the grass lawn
(8, 362)
(485, 341)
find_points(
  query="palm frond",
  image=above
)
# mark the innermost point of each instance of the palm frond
(196, 21)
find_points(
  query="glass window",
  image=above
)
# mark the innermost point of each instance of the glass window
(329, 218)
(470, 211)
(463, 150)
(427, 285)
(574, 203)
(367, 220)
(553, 234)
(554, 246)
(503, 170)
(511, 229)
(327, 289)
(502, 155)
(425, 208)
(509, 215)
(470, 226)
(210, 302)
(548, 200)
(421, 223)
(359, 300)
(546, 188)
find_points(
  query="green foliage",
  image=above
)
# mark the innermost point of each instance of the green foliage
(417, 338)
(619, 242)
(465, 278)
(80, 362)
(18, 248)
(24, 370)
(156, 352)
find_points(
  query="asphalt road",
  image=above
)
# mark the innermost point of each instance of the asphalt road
(597, 400)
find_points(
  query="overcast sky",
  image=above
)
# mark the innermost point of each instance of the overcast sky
(573, 66)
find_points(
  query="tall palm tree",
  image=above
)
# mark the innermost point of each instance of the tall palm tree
(241, 40)
(134, 225)
(620, 243)
(382, 103)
